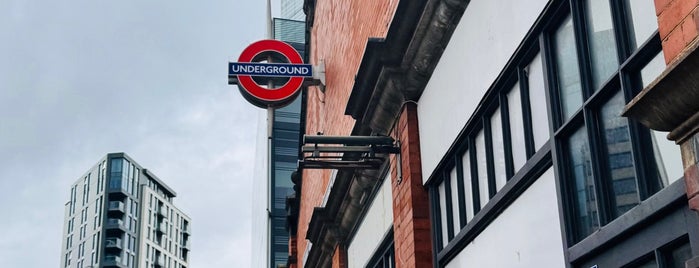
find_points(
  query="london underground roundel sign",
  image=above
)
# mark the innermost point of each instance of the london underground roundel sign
(249, 67)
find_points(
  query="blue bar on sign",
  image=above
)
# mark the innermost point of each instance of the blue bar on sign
(270, 69)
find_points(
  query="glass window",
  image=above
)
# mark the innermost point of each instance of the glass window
(454, 187)
(498, 149)
(537, 101)
(581, 173)
(612, 142)
(600, 31)
(643, 20)
(514, 105)
(443, 212)
(116, 164)
(665, 152)
(619, 155)
(570, 90)
(482, 169)
(679, 255)
(653, 69)
(468, 190)
(667, 158)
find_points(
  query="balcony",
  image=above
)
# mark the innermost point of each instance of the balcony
(113, 244)
(159, 261)
(162, 228)
(116, 192)
(113, 261)
(186, 230)
(115, 226)
(183, 255)
(162, 212)
(186, 245)
(116, 208)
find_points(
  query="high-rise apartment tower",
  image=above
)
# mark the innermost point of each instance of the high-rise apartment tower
(121, 215)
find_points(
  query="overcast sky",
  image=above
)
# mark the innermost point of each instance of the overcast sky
(82, 78)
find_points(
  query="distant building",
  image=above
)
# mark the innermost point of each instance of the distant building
(292, 10)
(270, 246)
(539, 133)
(121, 215)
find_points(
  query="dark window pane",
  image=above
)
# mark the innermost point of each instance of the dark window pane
(619, 155)
(116, 164)
(581, 173)
(616, 135)
(649, 264)
(567, 65)
(600, 31)
(679, 256)
(624, 186)
(643, 20)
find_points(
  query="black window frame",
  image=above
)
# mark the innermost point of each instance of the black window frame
(625, 79)
(537, 162)
(384, 256)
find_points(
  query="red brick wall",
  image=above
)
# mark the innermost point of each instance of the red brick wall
(292, 250)
(411, 214)
(678, 21)
(340, 257)
(339, 34)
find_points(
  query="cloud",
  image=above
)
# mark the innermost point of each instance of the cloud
(85, 78)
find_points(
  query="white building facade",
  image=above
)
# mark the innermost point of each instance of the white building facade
(121, 215)
(517, 109)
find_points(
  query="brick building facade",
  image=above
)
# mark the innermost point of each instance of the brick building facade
(524, 127)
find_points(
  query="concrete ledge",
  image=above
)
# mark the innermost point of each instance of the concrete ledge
(671, 99)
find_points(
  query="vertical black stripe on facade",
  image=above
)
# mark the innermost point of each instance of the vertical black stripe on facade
(506, 136)
(437, 219)
(475, 189)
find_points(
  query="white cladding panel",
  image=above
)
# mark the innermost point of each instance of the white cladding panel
(526, 234)
(376, 224)
(485, 39)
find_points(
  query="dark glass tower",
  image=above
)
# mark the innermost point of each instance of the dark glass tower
(285, 150)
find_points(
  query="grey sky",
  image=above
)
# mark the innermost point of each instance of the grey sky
(82, 78)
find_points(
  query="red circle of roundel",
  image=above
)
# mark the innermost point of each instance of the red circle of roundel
(287, 90)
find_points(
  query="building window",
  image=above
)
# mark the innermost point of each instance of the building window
(570, 96)
(562, 94)
(602, 43)
(607, 157)
(674, 254)
(115, 180)
(502, 139)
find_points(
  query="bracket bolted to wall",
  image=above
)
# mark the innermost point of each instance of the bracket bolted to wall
(346, 152)
(318, 78)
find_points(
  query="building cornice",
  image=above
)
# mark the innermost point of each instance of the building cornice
(396, 69)
(671, 102)
(393, 70)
